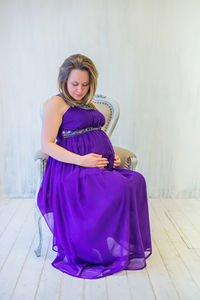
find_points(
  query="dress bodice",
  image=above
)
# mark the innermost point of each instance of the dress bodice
(79, 117)
(94, 141)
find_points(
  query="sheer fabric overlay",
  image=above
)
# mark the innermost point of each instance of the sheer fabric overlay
(98, 217)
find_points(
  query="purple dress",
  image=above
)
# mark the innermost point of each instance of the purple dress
(99, 217)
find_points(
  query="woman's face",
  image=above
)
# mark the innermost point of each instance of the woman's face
(78, 84)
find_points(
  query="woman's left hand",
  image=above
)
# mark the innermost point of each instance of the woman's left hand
(117, 161)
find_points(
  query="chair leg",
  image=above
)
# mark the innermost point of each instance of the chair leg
(37, 213)
(38, 249)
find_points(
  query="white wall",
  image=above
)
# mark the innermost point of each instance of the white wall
(147, 54)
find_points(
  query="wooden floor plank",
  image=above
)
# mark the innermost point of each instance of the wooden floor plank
(7, 212)
(162, 283)
(50, 281)
(16, 258)
(72, 288)
(186, 220)
(10, 235)
(95, 289)
(6, 201)
(172, 271)
(31, 272)
(189, 256)
(186, 228)
(117, 286)
(140, 285)
(181, 277)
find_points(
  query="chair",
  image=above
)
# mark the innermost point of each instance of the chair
(111, 111)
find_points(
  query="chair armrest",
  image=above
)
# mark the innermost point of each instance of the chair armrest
(128, 159)
(40, 155)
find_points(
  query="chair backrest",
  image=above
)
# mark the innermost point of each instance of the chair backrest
(110, 109)
(107, 106)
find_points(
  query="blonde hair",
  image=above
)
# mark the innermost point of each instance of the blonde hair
(83, 63)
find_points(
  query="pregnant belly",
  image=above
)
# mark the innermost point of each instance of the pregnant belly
(104, 147)
(95, 141)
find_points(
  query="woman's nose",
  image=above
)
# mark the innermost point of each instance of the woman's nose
(79, 87)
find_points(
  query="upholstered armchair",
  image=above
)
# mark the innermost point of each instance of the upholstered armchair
(110, 109)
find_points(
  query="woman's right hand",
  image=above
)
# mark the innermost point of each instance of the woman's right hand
(94, 160)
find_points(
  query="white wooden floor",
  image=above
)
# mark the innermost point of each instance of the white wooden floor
(172, 272)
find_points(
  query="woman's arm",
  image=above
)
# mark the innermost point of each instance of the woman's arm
(52, 119)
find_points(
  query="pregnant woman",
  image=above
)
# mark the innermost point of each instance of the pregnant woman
(96, 210)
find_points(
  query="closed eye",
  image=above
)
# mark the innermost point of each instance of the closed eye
(84, 84)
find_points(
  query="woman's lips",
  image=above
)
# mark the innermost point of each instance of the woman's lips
(78, 95)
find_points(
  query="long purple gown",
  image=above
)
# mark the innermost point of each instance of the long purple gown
(99, 217)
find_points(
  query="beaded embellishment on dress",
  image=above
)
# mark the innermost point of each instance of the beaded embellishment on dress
(84, 106)
(70, 133)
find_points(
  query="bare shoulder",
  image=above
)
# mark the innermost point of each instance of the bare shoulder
(56, 104)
